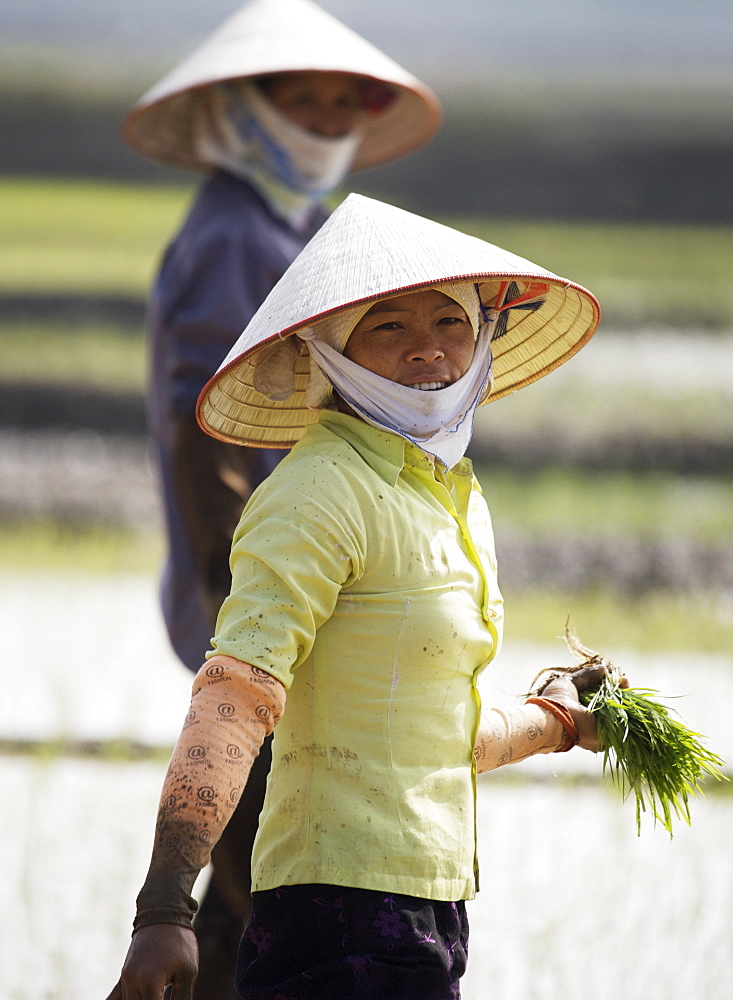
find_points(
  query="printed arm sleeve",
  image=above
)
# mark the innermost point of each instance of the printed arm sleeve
(234, 706)
(509, 734)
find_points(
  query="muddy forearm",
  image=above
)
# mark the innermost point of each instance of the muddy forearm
(234, 706)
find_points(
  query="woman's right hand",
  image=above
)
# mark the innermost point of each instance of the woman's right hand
(159, 955)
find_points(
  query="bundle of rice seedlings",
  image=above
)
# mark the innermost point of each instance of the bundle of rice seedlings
(646, 750)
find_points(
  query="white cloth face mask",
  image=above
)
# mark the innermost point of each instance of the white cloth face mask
(249, 135)
(440, 422)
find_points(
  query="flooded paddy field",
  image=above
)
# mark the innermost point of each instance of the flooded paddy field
(571, 898)
(569, 893)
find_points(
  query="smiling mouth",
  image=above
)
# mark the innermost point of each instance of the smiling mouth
(429, 386)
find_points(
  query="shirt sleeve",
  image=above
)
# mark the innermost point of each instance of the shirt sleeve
(301, 539)
(210, 285)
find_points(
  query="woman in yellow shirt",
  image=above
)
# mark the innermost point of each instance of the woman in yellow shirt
(364, 605)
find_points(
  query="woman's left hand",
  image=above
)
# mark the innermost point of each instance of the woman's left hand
(566, 689)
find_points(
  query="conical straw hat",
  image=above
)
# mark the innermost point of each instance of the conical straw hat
(277, 36)
(369, 250)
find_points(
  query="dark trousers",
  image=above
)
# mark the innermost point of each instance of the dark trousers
(325, 942)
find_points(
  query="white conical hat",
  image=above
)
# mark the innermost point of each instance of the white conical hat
(277, 36)
(366, 251)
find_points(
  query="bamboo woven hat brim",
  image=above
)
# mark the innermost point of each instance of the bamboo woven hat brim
(279, 36)
(368, 250)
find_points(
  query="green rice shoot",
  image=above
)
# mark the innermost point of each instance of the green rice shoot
(647, 751)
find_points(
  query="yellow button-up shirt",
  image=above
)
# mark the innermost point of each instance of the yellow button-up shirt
(364, 579)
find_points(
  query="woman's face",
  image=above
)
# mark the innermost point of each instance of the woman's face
(326, 104)
(421, 339)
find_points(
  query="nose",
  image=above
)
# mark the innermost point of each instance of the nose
(331, 122)
(425, 348)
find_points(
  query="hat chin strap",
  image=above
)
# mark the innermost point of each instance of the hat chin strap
(440, 422)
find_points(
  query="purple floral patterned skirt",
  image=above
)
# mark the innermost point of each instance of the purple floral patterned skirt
(329, 942)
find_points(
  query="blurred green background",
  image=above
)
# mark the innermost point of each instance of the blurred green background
(593, 139)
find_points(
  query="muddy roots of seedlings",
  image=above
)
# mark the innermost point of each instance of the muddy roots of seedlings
(646, 749)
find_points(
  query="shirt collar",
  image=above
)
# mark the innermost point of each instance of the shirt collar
(386, 453)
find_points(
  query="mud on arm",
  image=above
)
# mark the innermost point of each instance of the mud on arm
(234, 706)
